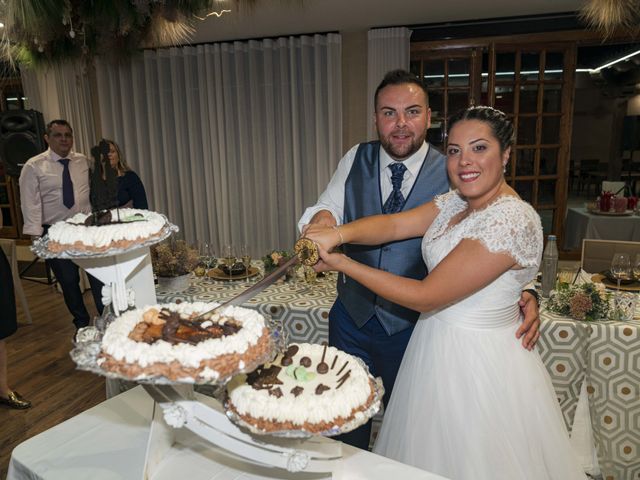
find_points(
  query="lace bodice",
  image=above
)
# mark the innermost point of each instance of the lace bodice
(507, 225)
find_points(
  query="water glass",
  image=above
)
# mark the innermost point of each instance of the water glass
(624, 306)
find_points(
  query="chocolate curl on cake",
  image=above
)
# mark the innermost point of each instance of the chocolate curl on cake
(104, 183)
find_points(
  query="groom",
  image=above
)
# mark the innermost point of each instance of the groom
(398, 172)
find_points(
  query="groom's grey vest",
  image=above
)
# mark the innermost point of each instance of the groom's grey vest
(362, 198)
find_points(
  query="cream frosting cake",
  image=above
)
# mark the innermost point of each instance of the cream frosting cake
(309, 387)
(167, 340)
(128, 226)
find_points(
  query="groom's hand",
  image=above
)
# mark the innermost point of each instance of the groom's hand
(529, 331)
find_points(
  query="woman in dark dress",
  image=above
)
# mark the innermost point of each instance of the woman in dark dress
(130, 189)
(8, 326)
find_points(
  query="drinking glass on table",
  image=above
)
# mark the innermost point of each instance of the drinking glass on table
(636, 268)
(621, 267)
(229, 257)
(245, 256)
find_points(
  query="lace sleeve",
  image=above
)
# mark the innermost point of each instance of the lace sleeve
(512, 226)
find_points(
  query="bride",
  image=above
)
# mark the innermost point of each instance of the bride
(469, 403)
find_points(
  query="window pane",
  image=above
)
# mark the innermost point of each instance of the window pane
(526, 130)
(546, 192)
(550, 130)
(554, 65)
(548, 161)
(6, 217)
(546, 216)
(529, 98)
(552, 98)
(525, 189)
(436, 103)
(525, 162)
(414, 67)
(505, 66)
(434, 73)
(458, 72)
(529, 66)
(458, 101)
(504, 99)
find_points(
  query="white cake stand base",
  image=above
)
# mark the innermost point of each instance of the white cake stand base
(176, 407)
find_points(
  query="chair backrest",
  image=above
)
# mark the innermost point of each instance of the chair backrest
(597, 254)
(614, 187)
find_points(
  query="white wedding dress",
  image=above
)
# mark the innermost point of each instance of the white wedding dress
(469, 402)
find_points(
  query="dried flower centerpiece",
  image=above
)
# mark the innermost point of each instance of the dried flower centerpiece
(173, 258)
(586, 301)
(276, 258)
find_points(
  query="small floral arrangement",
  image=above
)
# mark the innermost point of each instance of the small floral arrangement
(173, 258)
(274, 259)
(583, 302)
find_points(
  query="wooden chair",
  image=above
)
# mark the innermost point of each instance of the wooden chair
(597, 254)
(9, 248)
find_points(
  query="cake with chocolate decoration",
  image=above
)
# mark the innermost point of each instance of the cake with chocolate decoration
(172, 341)
(312, 388)
(100, 231)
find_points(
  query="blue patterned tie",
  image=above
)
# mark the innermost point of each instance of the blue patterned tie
(67, 184)
(395, 202)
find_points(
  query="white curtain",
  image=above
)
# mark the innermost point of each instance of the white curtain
(387, 49)
(232, 140)
(62, 91)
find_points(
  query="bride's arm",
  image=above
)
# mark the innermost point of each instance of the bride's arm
(375, 229)
(468, 268)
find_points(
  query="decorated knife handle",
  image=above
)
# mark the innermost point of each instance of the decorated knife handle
(307, 252)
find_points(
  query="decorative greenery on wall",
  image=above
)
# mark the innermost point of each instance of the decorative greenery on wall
(50, 31)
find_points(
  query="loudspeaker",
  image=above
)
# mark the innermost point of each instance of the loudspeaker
(21, 137)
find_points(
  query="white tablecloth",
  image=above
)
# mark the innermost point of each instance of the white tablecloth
(581, 224)
(108, 442)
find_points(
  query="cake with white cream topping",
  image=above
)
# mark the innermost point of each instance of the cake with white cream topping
(312, 388)
(171, 341)
(118, 228)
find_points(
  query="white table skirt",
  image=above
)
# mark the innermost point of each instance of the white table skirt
(108, 442)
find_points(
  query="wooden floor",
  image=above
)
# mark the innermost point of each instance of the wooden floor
(41, 370)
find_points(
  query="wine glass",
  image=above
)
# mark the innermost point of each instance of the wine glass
(636, 268)
(245, 255)
(621, 267)
(229, 257)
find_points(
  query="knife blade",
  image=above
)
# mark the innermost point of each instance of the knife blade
(306, 252)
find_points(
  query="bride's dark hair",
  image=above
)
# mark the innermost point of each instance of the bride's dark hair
(500, 125)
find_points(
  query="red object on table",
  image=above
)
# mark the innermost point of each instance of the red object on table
(620, 204)
(605, 201)
(632, 202)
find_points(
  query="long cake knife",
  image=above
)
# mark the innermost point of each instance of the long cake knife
(306, 252)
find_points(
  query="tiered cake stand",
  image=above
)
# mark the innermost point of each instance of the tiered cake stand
(129, 278)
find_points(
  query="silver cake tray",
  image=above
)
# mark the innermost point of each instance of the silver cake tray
(40, 247)
(87, 349)
(368, 413)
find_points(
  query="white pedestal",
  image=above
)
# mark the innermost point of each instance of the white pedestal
(126, 271)
(176, 407)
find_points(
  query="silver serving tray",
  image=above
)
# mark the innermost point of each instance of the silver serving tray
(368, 413)
(40, 246)
(87, 349)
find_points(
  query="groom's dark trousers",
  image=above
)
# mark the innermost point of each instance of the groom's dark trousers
(381, 352)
